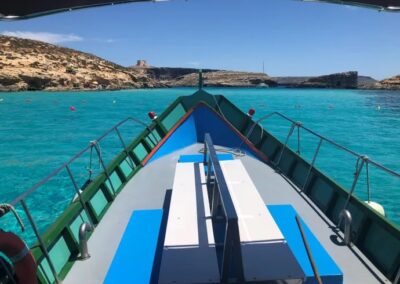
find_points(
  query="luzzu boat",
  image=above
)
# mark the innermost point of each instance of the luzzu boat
(204, 195)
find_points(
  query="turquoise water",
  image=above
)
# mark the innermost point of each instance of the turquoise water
(38, 133)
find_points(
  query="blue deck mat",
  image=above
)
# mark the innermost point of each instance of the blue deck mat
(199, 158)
(133, 261)
(284, 216)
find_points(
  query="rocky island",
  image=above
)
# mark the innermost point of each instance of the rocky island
(33, 65)
(345, 80)
(223, 79)
(392, 83)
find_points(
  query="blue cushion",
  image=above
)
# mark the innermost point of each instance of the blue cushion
(134, 259)
(284, 216)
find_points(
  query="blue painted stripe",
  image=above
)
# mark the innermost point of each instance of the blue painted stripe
(199, 158)
(133, 261)
(184, 136)
(193, 129)
(284, 216)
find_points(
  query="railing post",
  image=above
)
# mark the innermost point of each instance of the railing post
(368, 185)
(132, 164)
(286, 142)
(41, 242)
(312, 163)
(357, 174)
(78, 192)
(308, 250)
(94, 144)
(298, 137)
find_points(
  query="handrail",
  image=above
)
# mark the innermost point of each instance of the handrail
(76, 156)
(66, 166)
(308, 250)
(362, 160)
(220, 196)
(324, 138)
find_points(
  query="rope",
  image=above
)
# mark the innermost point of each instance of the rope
(219, 108)
(95, 143)
(5, 208)
(234, 152)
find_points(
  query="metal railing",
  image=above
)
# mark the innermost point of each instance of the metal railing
(361, 162)
(222, 208)
(93, 145)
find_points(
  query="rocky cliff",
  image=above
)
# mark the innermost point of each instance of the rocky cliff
(223, 79)
(392, 83)
(366, 82)
(33, 65)
(346, 80)
(169, 73)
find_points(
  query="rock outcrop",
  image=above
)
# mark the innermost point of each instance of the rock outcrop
(34, 65)
(365, 82)
(392, 83)
(346, 80)
(167, 74)
(223, 79)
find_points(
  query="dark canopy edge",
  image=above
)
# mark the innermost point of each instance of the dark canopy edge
(24, 9)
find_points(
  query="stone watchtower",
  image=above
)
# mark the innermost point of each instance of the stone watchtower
(142, 63)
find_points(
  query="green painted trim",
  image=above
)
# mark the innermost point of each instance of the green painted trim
(173, 117)
(62, 225)
(369, 216)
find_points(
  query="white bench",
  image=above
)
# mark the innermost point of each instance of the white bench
(189, 254)
(265, 253)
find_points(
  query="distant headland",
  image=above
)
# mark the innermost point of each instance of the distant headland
(33, 65)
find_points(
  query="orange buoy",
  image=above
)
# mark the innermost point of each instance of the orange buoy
(17, 251)
(72, 108)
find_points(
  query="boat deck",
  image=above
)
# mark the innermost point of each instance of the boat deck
(148, 188)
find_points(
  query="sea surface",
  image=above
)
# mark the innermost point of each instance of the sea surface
(39, 131)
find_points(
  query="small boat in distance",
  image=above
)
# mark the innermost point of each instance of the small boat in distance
(262, 85)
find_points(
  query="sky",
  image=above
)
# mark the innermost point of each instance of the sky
(292, 38)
